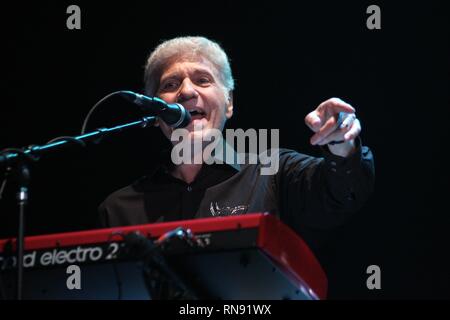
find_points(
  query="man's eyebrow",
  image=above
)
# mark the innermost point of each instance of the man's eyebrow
(176, 74)
(169, 76)
(202, 71)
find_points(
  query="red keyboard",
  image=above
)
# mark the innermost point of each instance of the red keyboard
(263, 231)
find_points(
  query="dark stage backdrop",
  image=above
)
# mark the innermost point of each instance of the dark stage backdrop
(286, 58)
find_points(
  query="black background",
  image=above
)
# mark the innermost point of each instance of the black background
(287, 57)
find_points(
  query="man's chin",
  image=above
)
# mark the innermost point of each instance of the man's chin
(204, 133)
(197, 125)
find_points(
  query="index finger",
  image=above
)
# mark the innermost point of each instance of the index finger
(336, 105)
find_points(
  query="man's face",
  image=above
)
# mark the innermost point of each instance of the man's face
(197, 86)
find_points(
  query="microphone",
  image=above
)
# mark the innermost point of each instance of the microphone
(174, 114)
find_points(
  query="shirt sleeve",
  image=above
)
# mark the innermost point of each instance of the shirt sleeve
(321, 193)
(103, 217)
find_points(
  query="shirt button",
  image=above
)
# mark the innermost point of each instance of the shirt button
(351, 196)
(348, 171)
(189, 188)
(333, 169)
(333, 163)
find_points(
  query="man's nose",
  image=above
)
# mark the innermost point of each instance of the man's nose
(187, 91)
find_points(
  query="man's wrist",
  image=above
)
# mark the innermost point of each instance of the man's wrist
(344, 149)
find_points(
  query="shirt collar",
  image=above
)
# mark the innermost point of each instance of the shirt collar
(228, 157)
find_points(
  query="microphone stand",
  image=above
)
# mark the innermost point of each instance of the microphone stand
(17, 161)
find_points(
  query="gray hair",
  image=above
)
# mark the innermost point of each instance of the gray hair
(190, 49)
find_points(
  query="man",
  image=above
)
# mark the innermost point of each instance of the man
(306, 192)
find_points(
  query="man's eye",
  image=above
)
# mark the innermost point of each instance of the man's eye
(204, 80)
(170, 85)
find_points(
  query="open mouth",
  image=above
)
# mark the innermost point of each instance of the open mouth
(195, 114)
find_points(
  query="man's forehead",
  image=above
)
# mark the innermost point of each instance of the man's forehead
(182, 66)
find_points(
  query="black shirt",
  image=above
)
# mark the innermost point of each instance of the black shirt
(306, 192)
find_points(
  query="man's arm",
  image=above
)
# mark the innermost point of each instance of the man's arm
(323, 192)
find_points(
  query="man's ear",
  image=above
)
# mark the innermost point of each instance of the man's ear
(229, 107)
